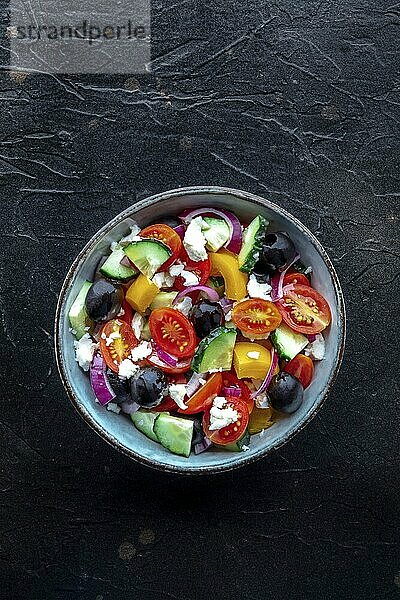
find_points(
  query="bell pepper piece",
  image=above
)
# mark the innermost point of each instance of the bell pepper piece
(141, 293)
(226, 264)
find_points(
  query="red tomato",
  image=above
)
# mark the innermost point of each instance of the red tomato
(304, 309)
(233, 432)
(116, 342)
(230, 380)
(128, 313)
(168, 236)
(204, 396)
(295, 277)
(301, 367)
(202, 269)
(181, 367)
(256, 316)
(173, 332)
(167, 404)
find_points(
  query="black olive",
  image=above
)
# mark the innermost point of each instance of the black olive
(170, 221)
(277, 251)
(198, 433)
(285, 393)
(206, 316)
(148, 387)
(120, 387)
(103, 300)
(261, 272)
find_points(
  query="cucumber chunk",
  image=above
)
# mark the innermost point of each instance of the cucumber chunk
(78, 316)
(144, 422)
(253, 237)
(287, 342)
(215, 352)
(174, 433)
(113, 269)
(148, 255)
(163, 299)
(216, 232)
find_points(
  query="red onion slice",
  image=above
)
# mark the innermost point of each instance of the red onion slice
(202, 446)
(125, 262)
(231, 391)
(211, 293)
(99, 381)
(194, 383)
(277, 281)
(170, 360)
(234, 243)
(311, 337)
(180, 230)
(264, 386)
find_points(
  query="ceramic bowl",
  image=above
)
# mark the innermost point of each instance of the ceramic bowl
(118, 430)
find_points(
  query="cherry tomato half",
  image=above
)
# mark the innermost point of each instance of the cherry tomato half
(128, 313)
(204, 396)
(301, 367)
(256, 316)
(304, 309)
(116, 342)
(173, 332)
(233, 432)
(230, 380)
(168, 236)
(201, 268)
(295, 277)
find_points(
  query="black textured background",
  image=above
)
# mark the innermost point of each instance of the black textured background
(296, 101)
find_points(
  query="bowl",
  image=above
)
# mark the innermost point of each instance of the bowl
(119, 431)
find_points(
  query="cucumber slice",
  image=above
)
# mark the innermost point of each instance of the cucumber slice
(78, 316)
(216, 232)
(174, 433)
(238, 446)
(146, 334)
(253, 237)
(163, 299)
(113, 269)
(144, 422)
(215, 352)
(287, 342)
(148, 255)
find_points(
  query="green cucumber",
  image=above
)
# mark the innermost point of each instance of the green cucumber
(113, 269)
(78, 316)
(215, 352)
(216, 232)
(148, 255)
(217, 283)
(146, 334)
(163, 299)
(253, 237)
(144, 422)
(287, 342)
(174, 433)
(238, 446)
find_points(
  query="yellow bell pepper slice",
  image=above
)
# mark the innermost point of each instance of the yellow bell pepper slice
(251, 360)
(226, 264)
(141, 293)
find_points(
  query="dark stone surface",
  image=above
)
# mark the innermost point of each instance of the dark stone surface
(296, 101)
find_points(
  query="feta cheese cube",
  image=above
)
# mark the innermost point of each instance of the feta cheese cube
(177, 393)
(316, 349)
(141, 351)
(137, 325)
(84, 351)
(184, 305)
(258, 290)
(194, 240)
(127, 369)
(221, 415)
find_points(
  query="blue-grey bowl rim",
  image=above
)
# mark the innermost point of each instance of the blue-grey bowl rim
(80, 258)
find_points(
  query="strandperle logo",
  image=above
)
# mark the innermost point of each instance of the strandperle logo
(99, 37)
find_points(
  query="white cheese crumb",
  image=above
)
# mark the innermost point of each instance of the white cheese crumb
(137, 324)
(114, 335)
(184, 305)
(194, 240)
(254, 354)
(177, 393)
(141, 351)
(316, 349)
(163, 280)
(258, 290)
(221, 415)
(84, 351)
(127, 369)
(189, 278)
(113, 407)
(244, 447)
(132, 237)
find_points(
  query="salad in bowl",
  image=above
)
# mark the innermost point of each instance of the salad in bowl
(201, 330)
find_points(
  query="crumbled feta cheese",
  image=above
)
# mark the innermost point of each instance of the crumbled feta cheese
(114, 335)
(163, 280)
(111, 406)
(127, 369)
(177, 393)
(121, 313)
(141, 351)
(137, 324)
(184, 305)
(244, 447)
(221, 415)
(316, 349)
(258, 290)
(254, 354)
(194, 240)
(132, 237)
(189, 277)
(84, 351)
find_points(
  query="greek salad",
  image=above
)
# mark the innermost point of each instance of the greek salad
(203, 331)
